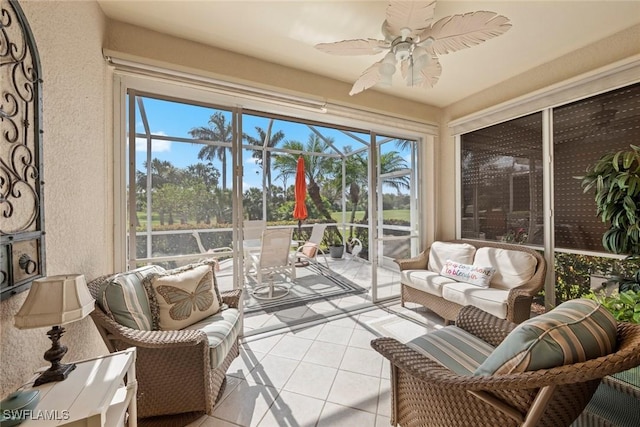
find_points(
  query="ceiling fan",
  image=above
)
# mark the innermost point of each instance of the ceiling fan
(411, 37)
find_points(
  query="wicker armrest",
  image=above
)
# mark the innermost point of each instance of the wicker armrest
(420, 367)
(519, 305)
(415, 263)
(430, 372)
(232, 298)
(483, 325)
(148, 339)
(411, 361)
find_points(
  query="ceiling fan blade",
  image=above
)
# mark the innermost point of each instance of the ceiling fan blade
(430, 72)
(425, 76)
(414, 15)
(354, 47)
(367, 79)
(458, 32)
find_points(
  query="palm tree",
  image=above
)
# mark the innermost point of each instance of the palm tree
(218, 130)
(264, 140)
(356, 177)
(162, 173)
(205, 174)
(392, 162)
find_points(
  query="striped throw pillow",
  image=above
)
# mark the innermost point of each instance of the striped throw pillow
(454, 348)
(124, 298)
(575, 331)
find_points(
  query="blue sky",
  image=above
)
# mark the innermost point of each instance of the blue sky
(176, 119)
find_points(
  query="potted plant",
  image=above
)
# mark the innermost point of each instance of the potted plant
(336, 245)
(616, 178)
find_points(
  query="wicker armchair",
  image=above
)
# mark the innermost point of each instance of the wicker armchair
(424, 393)
(175, 380)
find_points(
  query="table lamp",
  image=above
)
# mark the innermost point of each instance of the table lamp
(55, 301)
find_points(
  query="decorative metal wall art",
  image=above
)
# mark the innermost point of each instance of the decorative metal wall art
(22, 249)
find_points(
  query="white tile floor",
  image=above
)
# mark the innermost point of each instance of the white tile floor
(317, 374)
(323, 374)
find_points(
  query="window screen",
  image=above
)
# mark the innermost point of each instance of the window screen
(502, 181)
(582, 132)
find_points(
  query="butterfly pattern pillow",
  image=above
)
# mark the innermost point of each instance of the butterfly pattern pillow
(184, 297)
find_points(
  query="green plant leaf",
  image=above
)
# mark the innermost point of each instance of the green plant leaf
(627, 159)
(616, 161)
(628, 297)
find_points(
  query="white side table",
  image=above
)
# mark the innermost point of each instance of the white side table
(95, 394)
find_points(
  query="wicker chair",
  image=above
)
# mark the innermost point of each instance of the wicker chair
(175, 381)
(424, 393)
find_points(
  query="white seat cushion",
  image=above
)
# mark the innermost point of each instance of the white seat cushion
(440, 252)
(425, 280)
(491, 300)
(513, 268)
(222, 331)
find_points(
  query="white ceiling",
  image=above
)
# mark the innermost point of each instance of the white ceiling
(285, 32)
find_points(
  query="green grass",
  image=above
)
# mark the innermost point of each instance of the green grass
(400, 214)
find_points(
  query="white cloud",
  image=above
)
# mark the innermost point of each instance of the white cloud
(251, 161)
(157, 145)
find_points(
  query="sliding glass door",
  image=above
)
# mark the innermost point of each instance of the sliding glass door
(195, 171)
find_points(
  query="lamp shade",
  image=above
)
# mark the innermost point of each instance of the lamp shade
(55, 300)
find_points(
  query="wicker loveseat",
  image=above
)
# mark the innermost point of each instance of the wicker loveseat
(426, 392)
(180, 373)
(518, 274)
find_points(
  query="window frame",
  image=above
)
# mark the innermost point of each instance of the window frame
(606, 79)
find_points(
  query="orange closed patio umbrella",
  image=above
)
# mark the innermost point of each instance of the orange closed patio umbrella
(300, 208)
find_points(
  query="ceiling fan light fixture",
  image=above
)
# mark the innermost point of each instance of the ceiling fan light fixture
(385, 80)
(388, 65)
(420, 57)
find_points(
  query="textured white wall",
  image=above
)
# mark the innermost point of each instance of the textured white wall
(77, 174)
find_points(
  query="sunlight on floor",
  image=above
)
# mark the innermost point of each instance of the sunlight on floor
(356, 270)
(318, 374)
(312, 365)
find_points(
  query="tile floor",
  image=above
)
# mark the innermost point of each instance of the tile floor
(319, 374)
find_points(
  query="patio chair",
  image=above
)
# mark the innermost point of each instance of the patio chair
(309, 250)
(252, 233)
(252, 229)
(275, 256)
(214, 253)
(425, 392)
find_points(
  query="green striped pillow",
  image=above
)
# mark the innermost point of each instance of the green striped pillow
(125, 299)
(575, 331)
(454, 348)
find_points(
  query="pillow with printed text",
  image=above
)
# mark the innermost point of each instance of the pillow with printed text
(473, 274)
